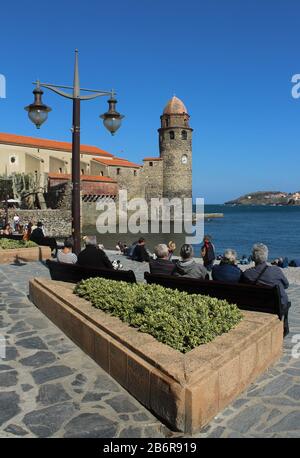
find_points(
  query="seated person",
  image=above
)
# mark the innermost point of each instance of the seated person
(65, 255)
(7, 230)
(227, 270)
(140, 253)
(262, 274)
(187, 266)
(92, 255)
(295, 263)
(161, 265)
(38, 236)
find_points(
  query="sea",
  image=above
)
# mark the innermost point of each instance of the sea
(276, 226)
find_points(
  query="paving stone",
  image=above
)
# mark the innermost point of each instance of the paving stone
(106, 383)
(51, 373)
(89, 425)
(90, 396)
(46, 422)
(217, 432)
(52, 394)
(26, 387)
(21, 326)
(11, 353)
(32, 342)
(4, 367)
(16, 430)
(274, 413)
(121, 403)
(294, 392)
(140, 417)
(239, 402)
(8, 378)
(26, 334)
(277, 386)
(80, 379)
(19, 305)
(9, 405)
(247, 418)
(131, 431)
(290, 422)
(40, 358)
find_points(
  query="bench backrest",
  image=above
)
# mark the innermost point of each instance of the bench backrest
(255, 298)
(12, 236)
(74, 273)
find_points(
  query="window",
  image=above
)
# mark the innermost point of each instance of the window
(101, 173)
(150, 164)
(82, 171)
(183, 134)
(172, 135)
(134, 173)
(167, 122)
(118, 171)
(60, 170)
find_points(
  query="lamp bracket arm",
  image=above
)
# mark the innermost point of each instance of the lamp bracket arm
(57, 91)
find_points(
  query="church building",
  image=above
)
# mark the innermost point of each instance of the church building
(103, 174)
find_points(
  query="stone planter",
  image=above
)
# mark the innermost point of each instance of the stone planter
(184, 391)
(39, 253)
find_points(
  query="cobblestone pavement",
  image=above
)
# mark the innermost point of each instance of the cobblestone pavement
(50, 388)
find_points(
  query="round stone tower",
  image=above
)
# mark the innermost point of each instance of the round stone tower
(175, 147)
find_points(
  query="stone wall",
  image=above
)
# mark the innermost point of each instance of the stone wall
(152, 179)
(57, 222)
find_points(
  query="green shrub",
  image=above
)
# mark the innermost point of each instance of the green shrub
(10, 244)
(182, 321)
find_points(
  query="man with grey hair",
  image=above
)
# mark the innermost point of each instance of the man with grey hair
(263, 274)
(161, 265)
(92, 255)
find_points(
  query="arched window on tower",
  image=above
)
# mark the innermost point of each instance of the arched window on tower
(167, 122)
(183, 134)
(172, 135)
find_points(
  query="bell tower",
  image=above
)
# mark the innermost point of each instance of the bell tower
(175, 148)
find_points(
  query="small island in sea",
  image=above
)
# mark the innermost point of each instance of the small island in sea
(267, 198)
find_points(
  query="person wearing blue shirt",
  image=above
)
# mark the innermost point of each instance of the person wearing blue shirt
(227, 270)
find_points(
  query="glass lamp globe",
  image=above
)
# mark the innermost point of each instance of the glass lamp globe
(112, 119)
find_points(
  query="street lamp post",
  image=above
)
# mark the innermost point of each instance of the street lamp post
(38, 114)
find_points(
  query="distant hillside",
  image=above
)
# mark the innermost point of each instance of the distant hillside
(267, 198)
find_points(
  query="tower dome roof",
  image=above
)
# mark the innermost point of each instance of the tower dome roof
(175, 106)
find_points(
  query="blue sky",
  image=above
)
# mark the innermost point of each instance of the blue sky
(230, 61)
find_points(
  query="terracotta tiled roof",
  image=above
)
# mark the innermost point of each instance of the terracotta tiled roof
(67, 176)
(115, 161)
(153, 159)
(175, 106)
(50, 144)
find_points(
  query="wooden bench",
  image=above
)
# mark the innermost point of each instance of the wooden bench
(74, 273)
(255, 298)
(12, 236)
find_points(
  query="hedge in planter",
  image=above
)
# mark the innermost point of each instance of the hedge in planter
(10, 244)
(181, 320)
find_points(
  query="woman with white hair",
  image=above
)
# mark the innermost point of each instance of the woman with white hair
(263, 274)
(227, 270)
